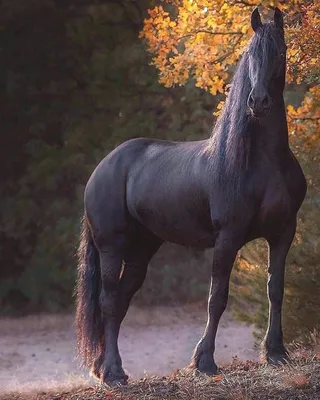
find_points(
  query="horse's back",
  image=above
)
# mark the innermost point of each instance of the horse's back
(140, 153)
(115, 166)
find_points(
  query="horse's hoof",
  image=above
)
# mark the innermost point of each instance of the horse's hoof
(205, 365)
(210, 370)
(277, 360)
(113, 381)
(113, 376)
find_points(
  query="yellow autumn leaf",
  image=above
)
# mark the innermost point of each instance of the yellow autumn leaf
(217, 378)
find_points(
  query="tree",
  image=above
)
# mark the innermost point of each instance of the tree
(201, 40)
(75, 82)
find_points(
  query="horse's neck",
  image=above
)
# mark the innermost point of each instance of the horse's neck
(272, 131)
(238, 138)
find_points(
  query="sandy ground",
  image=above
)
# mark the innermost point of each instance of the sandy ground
(39, 351)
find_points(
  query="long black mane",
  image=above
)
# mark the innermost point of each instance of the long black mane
(231, 141)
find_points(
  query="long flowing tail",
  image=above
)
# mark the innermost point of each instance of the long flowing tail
(88, 313)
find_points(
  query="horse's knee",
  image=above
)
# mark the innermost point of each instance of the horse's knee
(109, 284)
(275, 293)
(110, 269)
(108, 301)
(111, 297)
(217, 306)
(219, 296)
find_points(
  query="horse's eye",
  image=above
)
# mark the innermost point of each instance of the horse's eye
(282, 55)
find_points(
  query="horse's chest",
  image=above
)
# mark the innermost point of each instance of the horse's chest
(276, 205)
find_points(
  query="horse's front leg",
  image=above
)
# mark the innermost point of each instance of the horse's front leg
(273, 348)
(225, 251)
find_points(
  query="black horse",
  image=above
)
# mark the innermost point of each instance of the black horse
(240, 184)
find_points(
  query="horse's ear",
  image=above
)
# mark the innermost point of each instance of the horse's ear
(255, 19)
(278, 18)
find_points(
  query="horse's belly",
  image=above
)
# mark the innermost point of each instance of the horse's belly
(177, 225)
(192, 235)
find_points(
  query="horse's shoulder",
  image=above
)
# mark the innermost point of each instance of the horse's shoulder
(295, 181)
(285, 188)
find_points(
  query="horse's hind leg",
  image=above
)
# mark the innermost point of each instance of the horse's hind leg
(136, 263)
(117, 294)
(108, 365)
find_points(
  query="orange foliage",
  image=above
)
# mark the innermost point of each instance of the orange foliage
(201, 39)
(304, 38)
(305, 120)
(217, 378)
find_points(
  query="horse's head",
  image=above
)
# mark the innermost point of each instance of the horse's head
(266, 61)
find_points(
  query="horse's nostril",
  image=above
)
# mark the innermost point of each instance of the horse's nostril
(265, 101)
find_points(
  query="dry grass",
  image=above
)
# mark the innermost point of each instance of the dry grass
(238, 381)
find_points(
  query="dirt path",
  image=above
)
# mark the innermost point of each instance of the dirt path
(39, 351)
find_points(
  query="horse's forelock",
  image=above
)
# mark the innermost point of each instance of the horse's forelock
(266, 42)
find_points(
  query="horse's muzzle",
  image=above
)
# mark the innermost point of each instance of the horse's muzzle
(260, 112)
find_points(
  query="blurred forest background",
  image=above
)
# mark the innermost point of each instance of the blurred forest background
(76, 81)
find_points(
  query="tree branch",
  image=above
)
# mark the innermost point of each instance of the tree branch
(306, 118)
(224, 56)
(219, 33)
(210, 32)
(244, 3)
